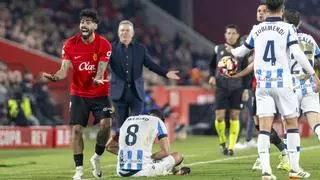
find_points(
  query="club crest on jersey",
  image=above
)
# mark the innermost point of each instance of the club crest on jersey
(95, 56)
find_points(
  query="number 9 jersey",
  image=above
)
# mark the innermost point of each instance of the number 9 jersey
(137, 135)
(271, 40)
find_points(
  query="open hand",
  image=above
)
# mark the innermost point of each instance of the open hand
(228, 47)
(51, 77)
(99, 81)
(173, 75)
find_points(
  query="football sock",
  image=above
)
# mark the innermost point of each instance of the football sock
(78, 159)
(275, 139)
(233, 134)
(285, 139)
(99, 149)
(263, 150)
(221, 130)
(293, 145)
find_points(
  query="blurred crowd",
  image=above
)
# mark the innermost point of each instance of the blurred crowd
(44, 25)
(310, 10)
(25, 100)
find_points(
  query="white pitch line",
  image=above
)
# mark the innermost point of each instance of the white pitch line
(225, 159)
(197, 163)
(242, 157)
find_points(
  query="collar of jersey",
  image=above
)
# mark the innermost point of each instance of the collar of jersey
(273, 19)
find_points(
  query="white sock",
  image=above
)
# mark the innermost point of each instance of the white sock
(293, 145)
(96, 156)
(79, 168)
(317, 130)
(263, 150)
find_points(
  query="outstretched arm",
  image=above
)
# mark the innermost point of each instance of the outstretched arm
(148, 62)
(249, 69)
(239, 51)
(61, 74)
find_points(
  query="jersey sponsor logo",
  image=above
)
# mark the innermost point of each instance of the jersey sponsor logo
(87, 66)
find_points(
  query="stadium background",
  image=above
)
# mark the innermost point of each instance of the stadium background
(180, 34)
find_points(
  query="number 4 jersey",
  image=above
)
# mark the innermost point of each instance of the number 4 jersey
(301, 82)
(137, 135)
(271, 40)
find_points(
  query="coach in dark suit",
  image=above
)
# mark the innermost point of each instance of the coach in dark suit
(127, 85)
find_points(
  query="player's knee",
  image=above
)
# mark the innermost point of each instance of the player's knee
(105, 123)
(178, 158)
(291, 123)
(220, 117)
(235, 114)
(274, 138)
(77, 130)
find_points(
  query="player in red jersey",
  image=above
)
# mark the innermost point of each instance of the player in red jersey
(88, 53)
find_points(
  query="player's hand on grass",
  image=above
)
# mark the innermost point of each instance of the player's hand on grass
(99, 81)
(51, 77)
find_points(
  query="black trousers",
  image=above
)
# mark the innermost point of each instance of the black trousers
(128, 105)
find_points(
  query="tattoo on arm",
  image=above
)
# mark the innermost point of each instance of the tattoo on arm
(102, 66)
(63, 71)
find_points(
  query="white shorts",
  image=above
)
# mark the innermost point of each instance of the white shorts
(309, 102)
(268, 99)
(160, 168)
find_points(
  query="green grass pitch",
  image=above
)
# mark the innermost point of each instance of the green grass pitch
(201, 154)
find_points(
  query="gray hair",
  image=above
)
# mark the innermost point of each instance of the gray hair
(126, 22)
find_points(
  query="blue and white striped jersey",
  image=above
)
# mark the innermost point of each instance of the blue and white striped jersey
(271, 40)
(301, 82)
(137, 135)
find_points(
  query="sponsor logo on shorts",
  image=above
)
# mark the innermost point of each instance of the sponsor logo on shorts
(106, 109)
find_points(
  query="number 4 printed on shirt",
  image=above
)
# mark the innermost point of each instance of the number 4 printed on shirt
(269, 53)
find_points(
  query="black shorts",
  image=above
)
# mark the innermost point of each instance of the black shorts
(228, 99)
(80, 108)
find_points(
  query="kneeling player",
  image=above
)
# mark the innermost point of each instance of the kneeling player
(137, 135)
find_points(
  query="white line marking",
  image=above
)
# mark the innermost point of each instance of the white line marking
(243, 157)
(191, 164)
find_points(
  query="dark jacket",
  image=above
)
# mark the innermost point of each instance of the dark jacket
(221, 81)
(141, 58)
